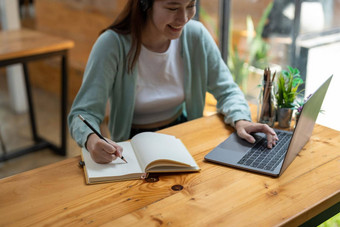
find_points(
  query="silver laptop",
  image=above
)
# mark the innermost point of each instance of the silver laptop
(238, 153)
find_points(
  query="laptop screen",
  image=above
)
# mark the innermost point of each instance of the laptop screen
(304, 128)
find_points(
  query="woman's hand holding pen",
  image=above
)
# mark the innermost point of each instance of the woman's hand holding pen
(101, 151)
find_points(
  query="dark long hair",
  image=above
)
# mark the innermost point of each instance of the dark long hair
(132, 21)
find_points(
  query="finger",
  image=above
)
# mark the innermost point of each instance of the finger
(271, 136)
(267, 130)
(113, 157)
(118, 149)
(275, 137)
(271, 141)
(101, 156)
(244, 135)
(109, 157)
(109, 148)
(106, 157)
(117, 154)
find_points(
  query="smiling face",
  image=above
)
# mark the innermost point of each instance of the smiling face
(166, 20)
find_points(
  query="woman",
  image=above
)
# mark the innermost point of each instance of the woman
(154, 65)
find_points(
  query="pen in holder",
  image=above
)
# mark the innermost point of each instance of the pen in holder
(266, 106)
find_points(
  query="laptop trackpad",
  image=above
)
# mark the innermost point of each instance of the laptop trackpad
(231, 150)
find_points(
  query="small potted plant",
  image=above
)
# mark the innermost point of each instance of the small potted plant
(299, 107)
(288, 83)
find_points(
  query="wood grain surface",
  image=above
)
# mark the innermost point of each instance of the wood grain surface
(25, 42)
(216, 196)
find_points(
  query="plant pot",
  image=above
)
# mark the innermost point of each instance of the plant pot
(284, 116)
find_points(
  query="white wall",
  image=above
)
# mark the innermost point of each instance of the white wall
(324, 61)
(9, 17)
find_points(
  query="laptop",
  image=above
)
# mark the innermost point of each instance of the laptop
(238, 153)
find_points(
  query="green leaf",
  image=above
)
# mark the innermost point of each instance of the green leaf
(263, 19)
(288, 83)
(258, 48)
(250, 30)
(297, 81)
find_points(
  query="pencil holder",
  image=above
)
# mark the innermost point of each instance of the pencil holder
(266, 111)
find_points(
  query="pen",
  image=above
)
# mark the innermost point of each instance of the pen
(97, 133)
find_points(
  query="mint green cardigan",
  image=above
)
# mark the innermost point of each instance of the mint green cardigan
(106, 78)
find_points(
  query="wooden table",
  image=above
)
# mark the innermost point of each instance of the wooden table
(22, 46)
(216, 196)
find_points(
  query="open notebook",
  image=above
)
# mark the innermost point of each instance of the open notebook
(147, 152)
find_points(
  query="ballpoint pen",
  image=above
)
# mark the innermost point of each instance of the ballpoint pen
(96, 132)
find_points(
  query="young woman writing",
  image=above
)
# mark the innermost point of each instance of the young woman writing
(154, 65)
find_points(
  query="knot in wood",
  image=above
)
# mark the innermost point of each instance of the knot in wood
(177, 187)
(152, 179)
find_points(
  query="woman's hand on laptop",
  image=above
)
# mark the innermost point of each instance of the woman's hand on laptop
(244, 128)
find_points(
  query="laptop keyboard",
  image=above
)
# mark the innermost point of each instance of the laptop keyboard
(262, 157)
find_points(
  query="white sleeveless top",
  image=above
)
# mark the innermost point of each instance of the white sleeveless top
(160, 85)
